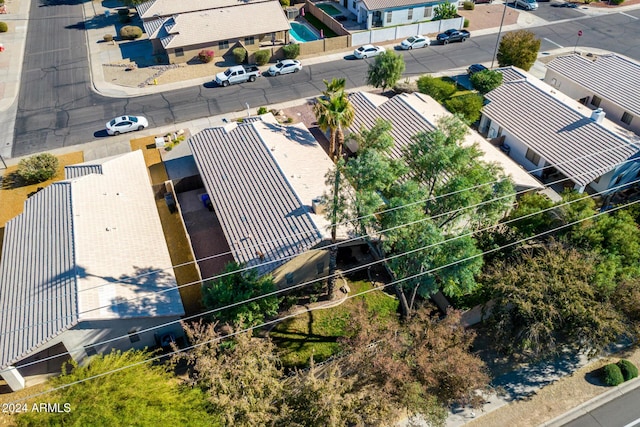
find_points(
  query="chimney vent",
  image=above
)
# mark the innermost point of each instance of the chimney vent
(598, 115)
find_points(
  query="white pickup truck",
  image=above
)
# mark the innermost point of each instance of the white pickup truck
(238, 74)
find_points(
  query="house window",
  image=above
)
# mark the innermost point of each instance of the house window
(249, 40)
(353, 4)
(223, 44)
(388, 17)
(428, 11)
(595, 101)
(626, 118)
(179, 51)
(532, 157)
(133, 335)
(289, 278)
(410, 14)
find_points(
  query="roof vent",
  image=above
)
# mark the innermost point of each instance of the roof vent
(598, 115)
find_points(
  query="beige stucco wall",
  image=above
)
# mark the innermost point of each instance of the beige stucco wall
(303, 268)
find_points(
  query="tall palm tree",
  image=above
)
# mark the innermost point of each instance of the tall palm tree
(333, 113)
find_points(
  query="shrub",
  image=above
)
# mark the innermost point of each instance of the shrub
(3, 27)
(130, 32)
(262, 110)
(466, 23)
(38, 168)
(469, 5)
(239, 54)
(467, 106)
(486, 80)
(262, 56)
(123, 11)
(291, 51)
(107, 37)
(616, 2)
(285, 3)
(436, 88)
(611, 375)
(205, 55)
(628, 369)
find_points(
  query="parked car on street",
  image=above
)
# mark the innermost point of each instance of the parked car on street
(475, 68)
(368, 51)
(125, 124)
(526, 4)
(482, 1)
(285, 66)
(415, 42)
(453, 35)
(238, 74)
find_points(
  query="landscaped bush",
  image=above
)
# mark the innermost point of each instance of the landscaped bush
(486, 80)
(628, 369)
(466, 23)
(130, 32)
(436, 88)
(239, 54)
(469, 5)
(611, 375)
(616, 2)
(3, 27)
(205, 55)
(291, 51)
(468, 106)
(262, 56)
(262, 110)
(285, 3)
(107, 37)
(38, 168)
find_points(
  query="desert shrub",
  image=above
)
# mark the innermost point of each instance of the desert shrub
(130, 32)
(108, 37)
(205, 55)
(239, 54)
(405, 87)
(285, 3)
(262, 56)
(611, 375)
(3, 27)
(467, 106)
(436, 88)
(291, 51)
(486, 80)
(469, 5)
(38, 168)
(628, 369)
(466, 23)
(262, 110)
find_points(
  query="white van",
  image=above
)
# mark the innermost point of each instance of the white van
(526, 4)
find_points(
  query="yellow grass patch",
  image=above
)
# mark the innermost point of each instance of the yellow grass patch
(152, 158)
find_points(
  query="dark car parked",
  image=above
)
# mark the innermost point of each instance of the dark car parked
(475, 68)
(453, 35)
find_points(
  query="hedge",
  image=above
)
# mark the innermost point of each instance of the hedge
(262, 56)
(628, 369)
(291, 51)
(38, 168)
(611, 375)
(436, 88)
(239, 54)
(130, 32)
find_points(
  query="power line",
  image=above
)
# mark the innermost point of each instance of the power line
(300, 285)
(275, 321)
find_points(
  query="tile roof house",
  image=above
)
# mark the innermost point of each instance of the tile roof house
(389, 13)
(610, 82)
(413, 113)
(182, 29)
(265, 181)
(78, 268)
(551, 134)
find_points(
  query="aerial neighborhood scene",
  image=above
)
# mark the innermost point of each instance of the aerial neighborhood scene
(320, 213)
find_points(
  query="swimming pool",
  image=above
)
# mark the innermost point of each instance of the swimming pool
(302, 33)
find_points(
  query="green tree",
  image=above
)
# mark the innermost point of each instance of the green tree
(518, 48)
(437, 88)
(38, 168)
(143, 389)
(468, 107)
(486, 80)
(235, 287)
(445, 10)
(546, 303)
(386, 70)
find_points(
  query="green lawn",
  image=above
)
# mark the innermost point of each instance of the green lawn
(316, 332)
(328, 32)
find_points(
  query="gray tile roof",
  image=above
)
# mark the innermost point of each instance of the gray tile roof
(77, 171)
(609, 76)
(396, 4)
(165, 8)
(38, 289)
(406, 122)
(510, 74)
(258, 209)
(574, 144)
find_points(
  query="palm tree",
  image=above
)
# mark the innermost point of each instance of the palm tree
(334, 112)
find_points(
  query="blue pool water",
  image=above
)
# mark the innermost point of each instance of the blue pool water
(301, 33)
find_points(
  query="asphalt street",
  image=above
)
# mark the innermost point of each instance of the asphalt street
(57, 107)
(621, 412)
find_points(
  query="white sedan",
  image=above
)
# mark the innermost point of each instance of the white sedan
(368, 51)
(415, 42)
(285, 66)
(124, 124)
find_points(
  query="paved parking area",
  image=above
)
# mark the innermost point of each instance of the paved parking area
(548, 11)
